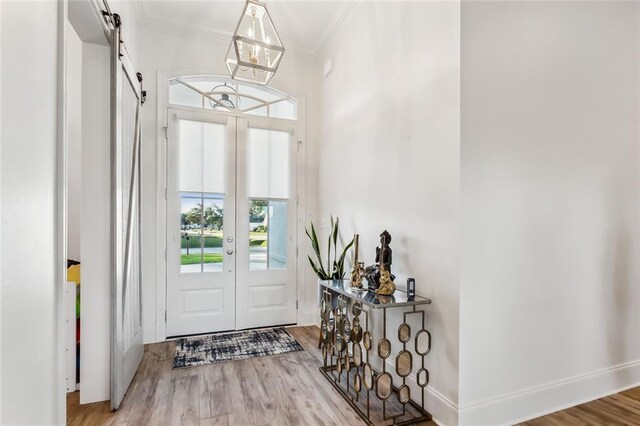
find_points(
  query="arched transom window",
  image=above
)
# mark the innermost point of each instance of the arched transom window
(224, 94)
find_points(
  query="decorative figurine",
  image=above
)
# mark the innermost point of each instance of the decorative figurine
(386, 286)
(357, 271)
(372, 275)
(383, 253)
(383, 258)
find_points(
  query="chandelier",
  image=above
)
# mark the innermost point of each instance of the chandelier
(255, 50)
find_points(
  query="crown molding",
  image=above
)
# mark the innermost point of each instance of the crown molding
(150, 22)
(153, 22)
(206, 37)
(332, 30)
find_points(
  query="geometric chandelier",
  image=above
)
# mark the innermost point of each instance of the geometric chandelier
(255, 50)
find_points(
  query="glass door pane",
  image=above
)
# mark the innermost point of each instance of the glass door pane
(267, 234)
(201, 184)
(268, 170)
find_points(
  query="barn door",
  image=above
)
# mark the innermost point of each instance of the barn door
(126, 335)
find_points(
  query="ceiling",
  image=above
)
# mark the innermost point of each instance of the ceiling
(304, 26)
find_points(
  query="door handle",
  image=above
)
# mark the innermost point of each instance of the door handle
(229, 252)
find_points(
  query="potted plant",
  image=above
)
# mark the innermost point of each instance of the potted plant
(334, 269)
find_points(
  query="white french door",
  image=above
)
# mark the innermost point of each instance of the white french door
(231, 214)
(266, 190)
(201, 223)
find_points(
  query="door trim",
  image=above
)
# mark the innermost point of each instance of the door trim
(60, 237)
(158, 332)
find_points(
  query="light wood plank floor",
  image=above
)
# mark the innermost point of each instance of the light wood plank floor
(284, 389)
(619, 409)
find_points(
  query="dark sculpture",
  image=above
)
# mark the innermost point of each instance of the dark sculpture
(372, 274)
(383, 253)
(384, 259)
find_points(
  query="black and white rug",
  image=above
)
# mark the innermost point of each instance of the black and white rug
(214, 348)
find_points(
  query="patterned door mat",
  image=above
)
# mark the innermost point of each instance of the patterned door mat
(214, 348)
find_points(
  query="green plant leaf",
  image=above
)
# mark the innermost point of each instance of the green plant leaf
(340, 268)
(335, 267)
(335, 239)
(329, 247)
(319, 273)
(314, 240)
(313, 265)
(313, 237)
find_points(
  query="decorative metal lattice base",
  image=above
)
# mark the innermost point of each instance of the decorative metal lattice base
(346, 348)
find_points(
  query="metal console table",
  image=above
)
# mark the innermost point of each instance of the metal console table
(346, 341)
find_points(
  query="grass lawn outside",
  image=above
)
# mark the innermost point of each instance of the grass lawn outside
(194, 241)
(255, 239)
(193, 259)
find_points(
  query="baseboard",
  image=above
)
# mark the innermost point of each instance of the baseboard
(311, 317)
(539, 401)
(443, 410)
(149, 335)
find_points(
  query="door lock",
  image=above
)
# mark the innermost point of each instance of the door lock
(229, 239)
(229, 251)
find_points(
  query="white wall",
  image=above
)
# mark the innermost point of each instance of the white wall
(389, 158)
(29, 361)
(168, 53)
(550, 291)
(74, 143)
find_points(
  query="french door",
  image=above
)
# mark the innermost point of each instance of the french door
(231, 214)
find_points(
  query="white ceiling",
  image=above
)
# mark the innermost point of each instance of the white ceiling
(304, 26)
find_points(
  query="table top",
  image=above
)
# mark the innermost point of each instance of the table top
(370, 298)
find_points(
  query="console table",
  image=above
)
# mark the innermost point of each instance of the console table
(350, 352)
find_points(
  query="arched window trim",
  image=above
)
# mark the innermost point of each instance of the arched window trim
(234, 90)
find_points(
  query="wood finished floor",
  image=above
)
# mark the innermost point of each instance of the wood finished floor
(619, 409)
(278, 390)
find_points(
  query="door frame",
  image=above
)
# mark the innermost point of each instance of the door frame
(162, 118)
(97, 23)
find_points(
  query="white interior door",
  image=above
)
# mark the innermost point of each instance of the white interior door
(200, 223)
(126, 340)
(267, 202)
